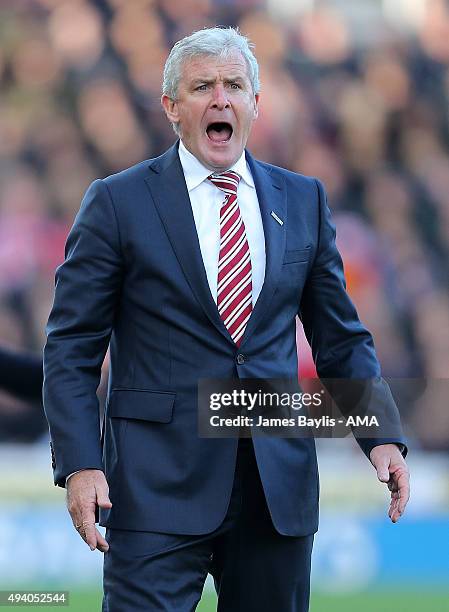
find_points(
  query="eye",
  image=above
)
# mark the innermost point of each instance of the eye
(234, 86)
(202, 87)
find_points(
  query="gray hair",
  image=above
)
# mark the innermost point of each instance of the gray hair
(215, 42)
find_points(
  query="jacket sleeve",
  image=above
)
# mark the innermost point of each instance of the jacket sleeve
(342, 347)
(88, 286)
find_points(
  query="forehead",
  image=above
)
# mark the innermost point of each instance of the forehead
(211, 66)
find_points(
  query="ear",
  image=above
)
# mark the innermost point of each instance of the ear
(256, 106)
(171, 108)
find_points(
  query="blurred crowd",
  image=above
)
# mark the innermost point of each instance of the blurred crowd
(80, 98)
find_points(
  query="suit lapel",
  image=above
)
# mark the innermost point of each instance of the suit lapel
(272, 198)
(169, 190)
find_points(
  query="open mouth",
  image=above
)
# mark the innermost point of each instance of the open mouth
(219, 131)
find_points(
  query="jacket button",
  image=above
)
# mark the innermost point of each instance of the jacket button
(241, 358)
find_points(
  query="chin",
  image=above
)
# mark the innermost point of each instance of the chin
(222, 159)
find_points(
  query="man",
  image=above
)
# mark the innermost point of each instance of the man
(193, 266)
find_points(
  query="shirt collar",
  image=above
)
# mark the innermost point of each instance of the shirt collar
(195, 173)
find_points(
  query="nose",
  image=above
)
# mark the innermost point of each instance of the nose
(220, 99)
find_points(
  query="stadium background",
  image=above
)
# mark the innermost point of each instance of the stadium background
(354, 92)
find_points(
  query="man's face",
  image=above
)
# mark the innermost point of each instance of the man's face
(215, 109)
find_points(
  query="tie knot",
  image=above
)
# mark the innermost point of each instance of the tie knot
(226, 181)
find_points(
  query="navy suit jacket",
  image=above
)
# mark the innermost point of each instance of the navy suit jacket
(133, 279)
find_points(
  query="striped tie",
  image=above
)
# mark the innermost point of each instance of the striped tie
(234, 286)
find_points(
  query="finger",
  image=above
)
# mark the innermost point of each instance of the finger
(401, 480)
(404, 491)
(102, 544)
(395, 515)
(78, 524)
(77, 520)
(393, 512)
(103, 498)
(383, 473)
(393, 506)
(90, 536)
(394, 500)
(81, 531)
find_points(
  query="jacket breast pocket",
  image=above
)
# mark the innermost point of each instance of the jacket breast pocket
(141, 405)
(294, 271)
(297, 256)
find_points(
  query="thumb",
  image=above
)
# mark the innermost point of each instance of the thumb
(383, 473)
(103, 499)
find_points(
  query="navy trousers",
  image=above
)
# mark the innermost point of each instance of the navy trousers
(255, 569)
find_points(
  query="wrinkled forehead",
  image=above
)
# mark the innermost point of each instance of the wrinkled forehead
(208, 66)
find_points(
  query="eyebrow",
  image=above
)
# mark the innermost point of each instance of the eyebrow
(208, 81)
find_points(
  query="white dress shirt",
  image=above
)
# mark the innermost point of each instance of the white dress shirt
(206, 200)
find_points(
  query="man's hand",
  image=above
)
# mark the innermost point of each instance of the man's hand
(86, 490)
(392, 469)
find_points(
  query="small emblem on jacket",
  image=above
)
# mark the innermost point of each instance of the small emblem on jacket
(274, 215)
